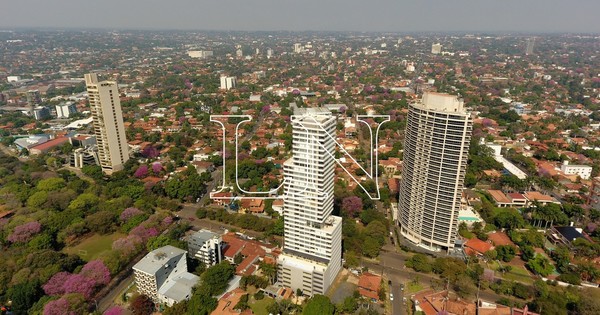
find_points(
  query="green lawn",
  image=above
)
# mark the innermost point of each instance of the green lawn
(260, 307)
(412, 287)
(91, 247)
(518, 274)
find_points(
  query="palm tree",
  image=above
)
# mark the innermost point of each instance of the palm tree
(269, 270)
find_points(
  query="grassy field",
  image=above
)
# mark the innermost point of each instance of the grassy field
(91, 247)
(412, 287)
(260, 307)
(518, 274)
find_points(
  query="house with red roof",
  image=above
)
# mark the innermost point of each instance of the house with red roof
(477, 247)
(369, 285)
(47, 146)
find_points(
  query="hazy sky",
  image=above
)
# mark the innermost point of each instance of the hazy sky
(298, 15)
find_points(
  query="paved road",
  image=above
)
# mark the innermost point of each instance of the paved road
(108, 300)
(188, 214)
(398, 305)
(391, 265)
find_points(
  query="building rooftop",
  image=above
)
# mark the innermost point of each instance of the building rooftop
(204, 235)
(179, 287)
(156, 259)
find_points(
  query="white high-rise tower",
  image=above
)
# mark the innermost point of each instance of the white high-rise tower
(312, 248)
(113, 150)
(436, 148)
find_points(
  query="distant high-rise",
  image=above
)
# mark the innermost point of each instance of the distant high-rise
(438, 132)
(298, 48)
(33, 99)
(312, 251)
(65, 109)
(530, 46)
(105, 106)
(227, 83)
(436, 48)
(269, 53)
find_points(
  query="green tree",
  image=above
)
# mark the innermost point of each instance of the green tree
(51, 184)
(215, 278)
(527, 252)
(506, 252)
(464, 286)
(319, 305)
(419, 263)
(540, 265)
(23, 296)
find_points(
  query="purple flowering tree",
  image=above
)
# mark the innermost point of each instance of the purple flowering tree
(166, 222)
(150, 152)
(97, 271)
(156, 167)
(129, 213)
(24, 232)
(143, 232)
(58, 307)
(352, 206)
(141, 171)
(56, 284)
(80, 284)
(128, 245)
(114, 310)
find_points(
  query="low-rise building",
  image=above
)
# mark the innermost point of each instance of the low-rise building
(566, 235)
(162, 275)
(369, 285)
(583, 171)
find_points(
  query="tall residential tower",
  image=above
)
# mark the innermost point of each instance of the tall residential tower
(105, 106)
(312, 251)
(438, 132)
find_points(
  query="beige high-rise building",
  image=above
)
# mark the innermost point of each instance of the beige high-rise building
(105, 106)
(436, 150)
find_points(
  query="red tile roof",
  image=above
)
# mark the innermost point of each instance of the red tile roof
(369, 284)
(476, 246)
(50, 144)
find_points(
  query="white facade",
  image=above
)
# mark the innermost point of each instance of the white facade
(312, 236)
(436, 147)
(206, 247)
(298, 48)
(163, 276)
(436, 48)
(64, 110)
(13, 78)
(105, 106)
(200, 53)
(583, 171)
(228, 83)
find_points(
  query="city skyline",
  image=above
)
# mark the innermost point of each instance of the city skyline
(269, 15)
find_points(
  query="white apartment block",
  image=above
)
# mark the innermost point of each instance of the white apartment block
(583, 171)
(436, 48)
(206, 246)
(105, 106)
(227, 83)
(202, 54)
(65, 110)
(163, 276)
(312, 251)
(436, 148)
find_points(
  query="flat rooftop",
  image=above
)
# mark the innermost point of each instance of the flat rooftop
(157, 258)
